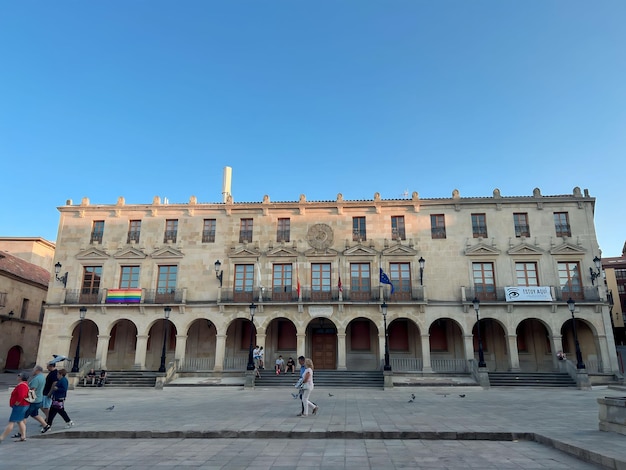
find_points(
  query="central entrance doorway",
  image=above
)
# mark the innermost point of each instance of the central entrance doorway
(324, 346)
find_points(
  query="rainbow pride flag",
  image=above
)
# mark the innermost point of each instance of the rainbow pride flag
(123, 296)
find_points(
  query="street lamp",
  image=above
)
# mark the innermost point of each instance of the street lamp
(166, 311)
(383, 307)
(422, 262)
(250, 358)
(579, 355)
(57, 270)
(481, 354)
(218, 272)
(82, 312)
(595, 274)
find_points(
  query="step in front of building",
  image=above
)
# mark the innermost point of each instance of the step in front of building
(530, 379)
(132, 378)
(324, 378)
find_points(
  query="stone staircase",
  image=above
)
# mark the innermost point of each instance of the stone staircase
(128, 378)
(530, 379)
(324, 378)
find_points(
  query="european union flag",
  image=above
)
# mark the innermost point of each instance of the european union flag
(385, 280)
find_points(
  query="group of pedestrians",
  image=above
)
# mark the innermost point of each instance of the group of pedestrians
(48, 395)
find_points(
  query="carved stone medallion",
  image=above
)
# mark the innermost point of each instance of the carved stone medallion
(320, 236)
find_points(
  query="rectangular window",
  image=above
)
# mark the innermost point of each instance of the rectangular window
(24, 310)
(245, 231)
(281, 282)
(92, 275)
(479, 225)
(208, 231)
(283, 229)
(171, 230)
(561, 224)
(244, 282)
(134, 230)
(97, 230)
(526, 274)
(620, 274)
(42, 311)
(397, 228)
(400, 277)
(570, 280)
(437, 226)
(129, 278)
(320, 281)
(166, 284)
(360, 281)
(484, 281)
(358, 229)
(360, 335)
(522, 229)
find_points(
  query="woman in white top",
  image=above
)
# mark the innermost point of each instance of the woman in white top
(307, 388)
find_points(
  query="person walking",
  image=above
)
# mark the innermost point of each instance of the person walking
(19, 406)
(37, 383)
(59, 393)
(51, 379)
(307, 388)
(301, 361)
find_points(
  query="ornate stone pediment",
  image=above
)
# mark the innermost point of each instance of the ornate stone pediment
(282, 251)
(129, 253)
(92, 253)
(525, 249)
(327, 252)
(567, 249)
(244, 252)
(167, 252)
(482, 249)
(399, 250)
(360, 250)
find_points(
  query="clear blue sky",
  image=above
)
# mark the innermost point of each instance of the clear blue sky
(145, 97)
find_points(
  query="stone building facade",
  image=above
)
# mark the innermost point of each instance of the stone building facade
(313, 270)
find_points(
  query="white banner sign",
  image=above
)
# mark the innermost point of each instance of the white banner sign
(526, 294)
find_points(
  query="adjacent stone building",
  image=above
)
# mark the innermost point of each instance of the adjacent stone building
(313, 270)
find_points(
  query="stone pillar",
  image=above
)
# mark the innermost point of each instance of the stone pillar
(140, 352)
(181, 346)
(220, 352)
(260, 341)
(426, 364)
(381, 348)
(513, 353)
(557, 345)
(341, 351)
(102, 351)
(301, 346)
(468, 344)
(388, 379)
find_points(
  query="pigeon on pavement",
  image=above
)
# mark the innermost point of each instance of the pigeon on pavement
(110, 408)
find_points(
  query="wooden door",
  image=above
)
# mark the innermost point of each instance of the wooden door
(13, 358)
(324, 350)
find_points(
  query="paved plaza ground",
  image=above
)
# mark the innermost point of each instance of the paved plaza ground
(233, 428)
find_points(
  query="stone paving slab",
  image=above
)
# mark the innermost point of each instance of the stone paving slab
(563, 419)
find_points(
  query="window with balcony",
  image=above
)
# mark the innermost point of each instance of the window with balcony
(400, 277)
(484, 281)
(358, 229)
(171, 230)
(166, 284)
(208, 231)
(320, 281)
(570, 280)
(134, 230)
(479, 225)
(245, 231)
(360, 281)
(397, 228)
(561, 224)
(90, 287)
(437, 226)
(129, 277)
(522, 229)
(526, 274)
(244, 282)
(283, 229)
(281, 282)
(97, 230)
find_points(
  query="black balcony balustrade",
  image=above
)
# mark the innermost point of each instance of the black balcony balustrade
(522, 230)
(96, 238)
(480, 231)
(283, 236)
(245, 236)
(438, 232)
(486, 293)
(163, 296)
(585, 293)
(563, 230)
(208, 236)
(83, 296)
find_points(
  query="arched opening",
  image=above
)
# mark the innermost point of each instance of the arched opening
(161, 331)
(363, 351)
(494, 344)
(238, 344)
(14, 356)
(200, 348)
(446, 346)
(122, 346)
(534, 346)
(322, 346)
(88, 342)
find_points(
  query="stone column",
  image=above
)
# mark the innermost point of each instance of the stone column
(468, 344)
(513, 353)
(220, 352)
(181, 346)
(341, 351)
(140, 352)
(301, 346)
(557, 346)
(426, 364)
(381, 349)
(102, 350)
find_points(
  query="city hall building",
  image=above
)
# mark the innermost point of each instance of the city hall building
(318, 276)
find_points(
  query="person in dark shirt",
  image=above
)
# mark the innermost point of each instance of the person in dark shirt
(51, 380)
(291, 364)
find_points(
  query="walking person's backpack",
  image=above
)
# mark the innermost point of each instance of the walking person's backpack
(32, 396)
